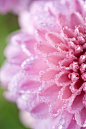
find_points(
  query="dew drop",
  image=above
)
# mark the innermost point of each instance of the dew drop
(60, 127)
(53, 127)
(84, 125)
(62, 121)
(73, 118)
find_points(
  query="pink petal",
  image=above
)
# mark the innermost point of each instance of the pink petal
(27, 119)
(40, 110)
(79, 6)
(24, 19)
(76, 86)
(73, 125)
(28, 43)
(62, 120)
(48, 75)
(7, 72)
(80, 117)
(17, 58)
(45, 91)
(15, 54)
(33, 65)
(66, 63)
(62, 78)
(62, 19)
(30, 103)
(77, 104)
(61, 47)
(68, 32)
(76, 19)
(55, 38)
(56, 107)
(10, 96)
(66, 92)
(23, 84)
(45, 47)
(55, 57)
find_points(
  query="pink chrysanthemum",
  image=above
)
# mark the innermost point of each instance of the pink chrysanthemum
(45, 72)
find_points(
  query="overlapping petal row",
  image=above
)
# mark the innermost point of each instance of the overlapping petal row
(45, 71)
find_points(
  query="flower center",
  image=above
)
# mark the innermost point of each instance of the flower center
(77, 45)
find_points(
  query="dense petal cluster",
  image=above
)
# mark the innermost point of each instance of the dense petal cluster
(45, 71)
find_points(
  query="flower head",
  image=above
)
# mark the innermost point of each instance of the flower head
(47, 68)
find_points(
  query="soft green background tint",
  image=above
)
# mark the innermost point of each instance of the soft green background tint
(9, 118)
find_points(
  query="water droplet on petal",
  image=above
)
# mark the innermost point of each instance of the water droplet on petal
(62, 121)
